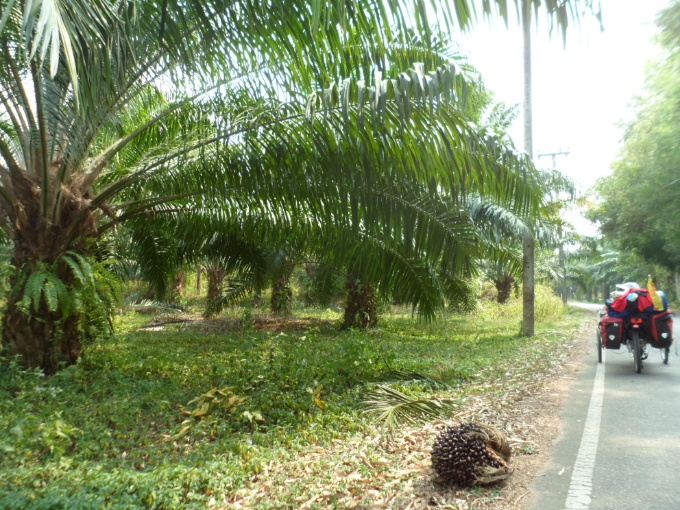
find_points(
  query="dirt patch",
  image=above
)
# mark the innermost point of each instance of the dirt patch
(274, 324)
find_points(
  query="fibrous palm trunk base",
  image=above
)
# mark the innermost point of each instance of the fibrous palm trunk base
(504, 287)
(179, 282)
(361, 308)
(45, 341)
(215, 280)
(282, 296)
(310, 271)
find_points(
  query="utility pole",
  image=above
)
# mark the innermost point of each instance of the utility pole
(528, 290)
(562, 258)
(553, 155)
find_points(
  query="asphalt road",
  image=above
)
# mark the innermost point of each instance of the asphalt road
(620, 442)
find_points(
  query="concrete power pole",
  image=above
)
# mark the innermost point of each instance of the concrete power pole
(528, 291)
(553, 155)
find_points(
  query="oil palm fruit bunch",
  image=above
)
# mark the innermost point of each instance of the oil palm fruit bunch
(471, 454)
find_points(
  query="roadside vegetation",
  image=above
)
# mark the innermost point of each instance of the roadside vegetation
(344, 159)
(639, 241)
(252, 410)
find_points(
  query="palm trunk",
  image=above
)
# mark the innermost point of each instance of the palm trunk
(257, 298)
(565, 283)
(310, 271)
(47, 337)
(504, 287)
(282, 294)
(180, 281)
(215, 278)
(361, 308)
(45, 340)
(42, 338)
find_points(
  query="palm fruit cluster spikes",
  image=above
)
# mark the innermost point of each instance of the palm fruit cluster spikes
(470, 454)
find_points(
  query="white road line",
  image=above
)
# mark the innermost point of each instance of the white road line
(581, 484)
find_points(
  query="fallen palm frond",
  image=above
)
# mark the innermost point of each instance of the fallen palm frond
(393, 408)
(406, 376)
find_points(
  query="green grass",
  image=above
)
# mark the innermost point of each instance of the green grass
(110, 432)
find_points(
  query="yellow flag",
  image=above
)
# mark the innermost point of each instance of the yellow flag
(656, 299)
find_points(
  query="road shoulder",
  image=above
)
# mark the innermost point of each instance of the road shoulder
(563, 400)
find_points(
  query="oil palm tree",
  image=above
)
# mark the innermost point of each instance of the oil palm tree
(73, 72)
(376, 222)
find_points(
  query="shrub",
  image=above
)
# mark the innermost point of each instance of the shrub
(547, 306)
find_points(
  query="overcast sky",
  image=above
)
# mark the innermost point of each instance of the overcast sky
(581, 92)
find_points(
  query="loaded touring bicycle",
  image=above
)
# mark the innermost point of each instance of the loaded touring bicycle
(631, 320)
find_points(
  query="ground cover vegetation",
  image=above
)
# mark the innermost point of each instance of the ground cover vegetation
(198, 416)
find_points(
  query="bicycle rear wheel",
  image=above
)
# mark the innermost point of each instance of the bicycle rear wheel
(637, 352)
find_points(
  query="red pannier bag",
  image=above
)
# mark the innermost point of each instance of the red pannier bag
(611, 329)
(662, 330)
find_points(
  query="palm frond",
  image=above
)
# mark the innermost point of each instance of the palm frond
(394, 409)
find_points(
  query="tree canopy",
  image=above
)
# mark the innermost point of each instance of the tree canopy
(640, 200)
